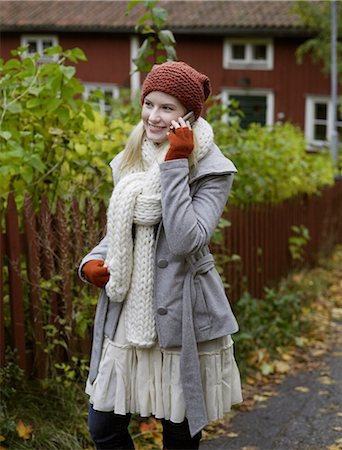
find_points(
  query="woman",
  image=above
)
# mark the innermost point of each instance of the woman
(162, 342)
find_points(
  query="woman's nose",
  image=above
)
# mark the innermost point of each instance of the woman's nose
(154, 115)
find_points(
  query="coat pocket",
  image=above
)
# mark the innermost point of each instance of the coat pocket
(200, 308)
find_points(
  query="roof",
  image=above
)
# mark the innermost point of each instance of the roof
(189, 16)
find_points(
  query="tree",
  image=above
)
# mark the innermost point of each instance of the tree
(159, 45)
(316, 16)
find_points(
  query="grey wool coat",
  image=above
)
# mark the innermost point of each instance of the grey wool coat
(190, 304)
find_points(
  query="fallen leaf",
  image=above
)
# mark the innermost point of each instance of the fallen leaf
(144, 426)
(260, 398)
(266, 368)
(302, 389)
(232, 434)
(282, 366)
(323, 392)
(326, 380)
(337, 428)
(249, 448)
(24, 431)
(301, 341)
(270, 393)
(339, 414)
(336, 313)
(250, 380)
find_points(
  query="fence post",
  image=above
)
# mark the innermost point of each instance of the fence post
(15, 281)
(63, 268)
(2, 318)
(33, 271)
(47, 244)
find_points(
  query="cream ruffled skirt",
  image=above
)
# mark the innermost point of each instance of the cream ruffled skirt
(147, 381)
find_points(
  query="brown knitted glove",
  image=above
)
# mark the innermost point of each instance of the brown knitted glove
(181, 144)
(94, 272)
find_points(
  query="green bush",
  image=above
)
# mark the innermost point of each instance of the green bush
(275, 322)
(53, 142)
(272, 162)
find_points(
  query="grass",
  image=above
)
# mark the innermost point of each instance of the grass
(49, 416)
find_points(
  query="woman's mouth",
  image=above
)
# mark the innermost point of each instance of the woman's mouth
(153, 127)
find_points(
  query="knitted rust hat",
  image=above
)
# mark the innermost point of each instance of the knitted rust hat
(190, 87)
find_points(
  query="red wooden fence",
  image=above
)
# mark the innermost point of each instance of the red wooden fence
(42, 247)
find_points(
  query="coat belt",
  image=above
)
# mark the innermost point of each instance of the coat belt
(189, 359)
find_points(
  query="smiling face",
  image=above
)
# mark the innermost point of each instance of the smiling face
(158, 110)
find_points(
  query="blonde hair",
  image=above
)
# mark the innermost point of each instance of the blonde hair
(132, 152)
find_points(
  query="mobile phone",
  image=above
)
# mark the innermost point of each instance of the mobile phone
(190, 116)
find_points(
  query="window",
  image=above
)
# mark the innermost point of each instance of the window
(319, 120)
(110, 92)
(37, 44)
(254, 54)
(257, 106)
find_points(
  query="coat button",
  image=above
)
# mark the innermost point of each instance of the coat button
(162, 263)
(162, 311)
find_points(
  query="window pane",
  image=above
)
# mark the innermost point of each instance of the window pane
(32, 46)
(259, 52)
(321, 111)
(254, 108)
(238, 51)
(108, 95)
(339, 114)
(320, 132)
(47, 44)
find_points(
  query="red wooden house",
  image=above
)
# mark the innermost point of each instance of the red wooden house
(247, 48)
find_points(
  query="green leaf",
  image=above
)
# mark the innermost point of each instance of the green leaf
(53, 104)
(12, 64)
(15, 108)
(55, 50)
(132, 4)
(68, 71)
(149, 4)
(166, 37)
(159, 16)
(11, 154)
(171, 53)
(5, 135)
(27, 174)
(63, 115)
(143, 53)
(75, 54)
(148, 30)
(36, 162)
(143, 19)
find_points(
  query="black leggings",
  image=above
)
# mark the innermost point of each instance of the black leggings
(109, 431)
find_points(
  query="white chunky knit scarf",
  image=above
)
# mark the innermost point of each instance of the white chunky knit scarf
(136, 200)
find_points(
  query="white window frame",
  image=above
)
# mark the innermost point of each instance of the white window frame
(248, 62)
(39, 38)
(91, 86)
(310, 102)
(227, 92)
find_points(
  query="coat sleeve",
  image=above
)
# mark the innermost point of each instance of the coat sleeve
(98, 252)
(189, 221)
